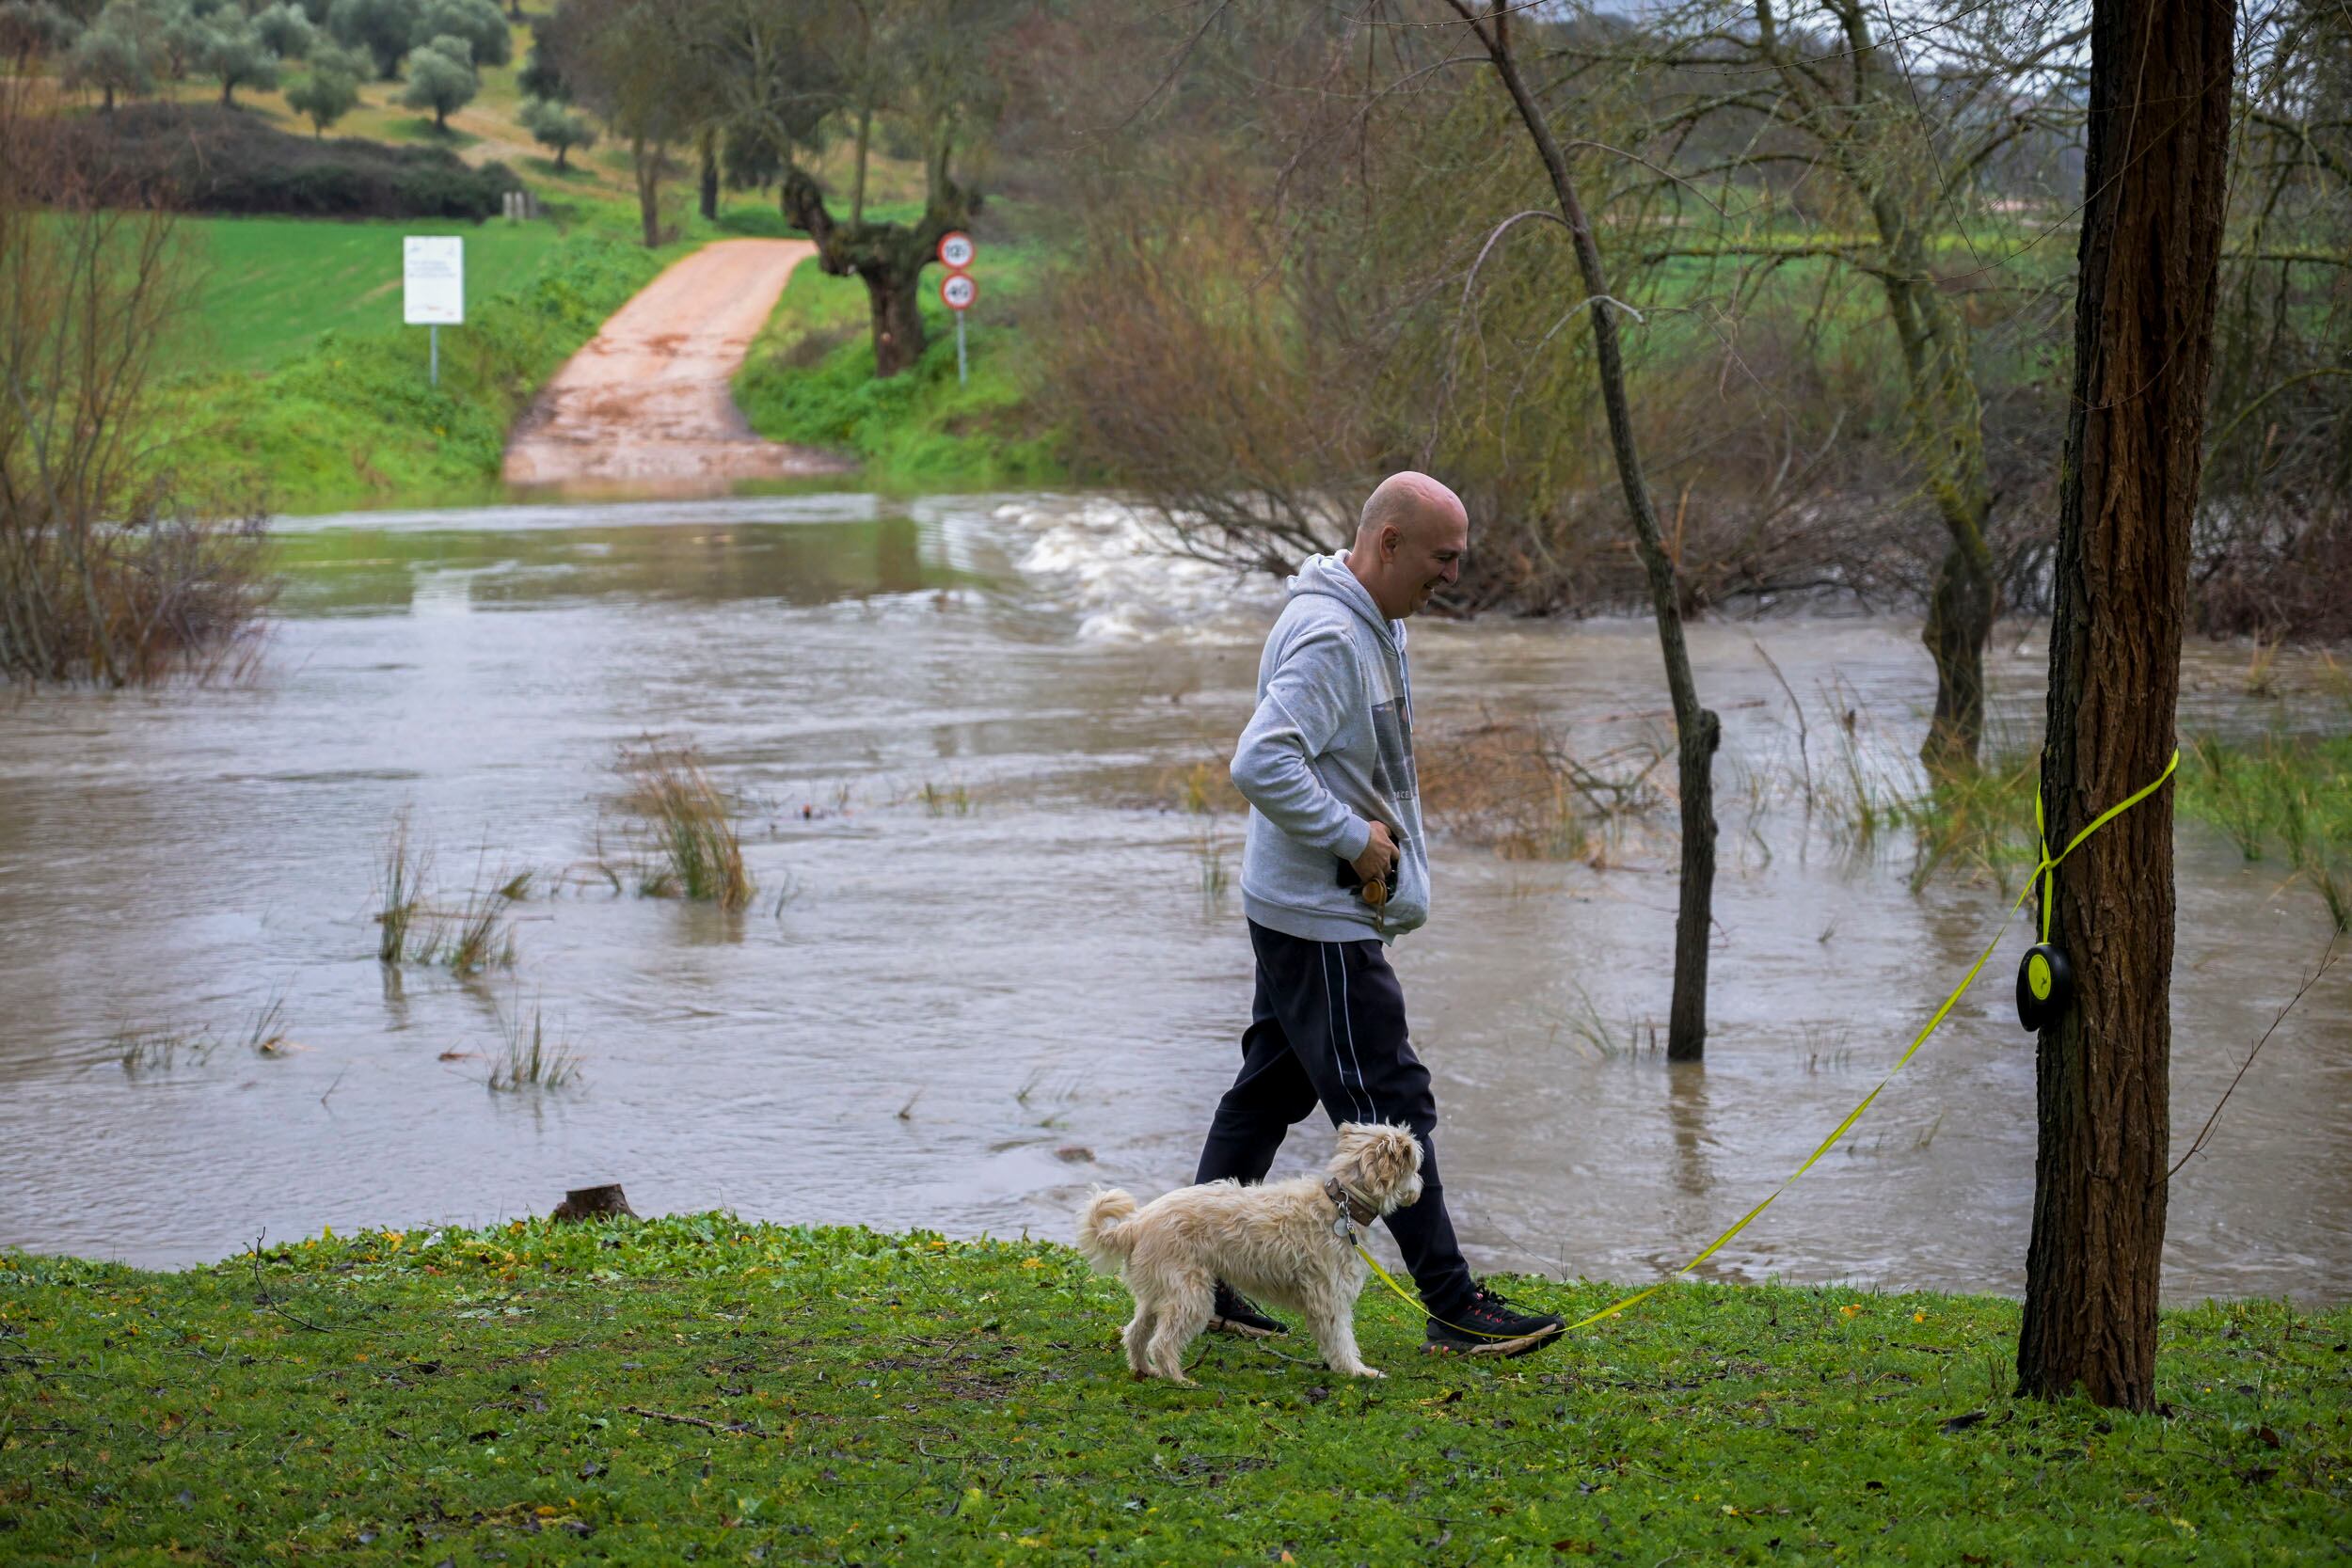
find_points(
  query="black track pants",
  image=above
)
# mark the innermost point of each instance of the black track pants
(1327, 1027)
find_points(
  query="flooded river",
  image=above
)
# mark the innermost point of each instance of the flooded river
(983, 971)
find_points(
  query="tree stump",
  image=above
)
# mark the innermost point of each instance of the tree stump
(594, 1203)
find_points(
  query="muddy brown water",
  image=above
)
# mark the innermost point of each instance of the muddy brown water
(994, 975)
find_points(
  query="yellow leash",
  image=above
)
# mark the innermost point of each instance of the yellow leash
(2042, 873)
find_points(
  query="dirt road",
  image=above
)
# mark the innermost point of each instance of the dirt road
(646, 404)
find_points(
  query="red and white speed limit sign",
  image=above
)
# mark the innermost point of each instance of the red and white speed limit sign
(957, 292)
(955, 250)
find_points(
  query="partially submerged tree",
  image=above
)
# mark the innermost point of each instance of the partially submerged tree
(1698, 731)
(1833, 141)
(441, 78)
(2156, 196)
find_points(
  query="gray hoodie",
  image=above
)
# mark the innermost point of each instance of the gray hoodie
(1330, 748)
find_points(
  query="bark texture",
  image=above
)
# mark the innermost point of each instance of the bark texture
(2156, 177)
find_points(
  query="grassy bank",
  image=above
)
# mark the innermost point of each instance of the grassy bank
(351, 419)
(701, 1387)
(809, 379)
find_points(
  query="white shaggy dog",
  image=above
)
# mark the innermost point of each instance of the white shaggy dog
(1285, 1242)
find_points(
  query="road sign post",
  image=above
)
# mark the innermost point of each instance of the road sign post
(433, 289)
(956, 291)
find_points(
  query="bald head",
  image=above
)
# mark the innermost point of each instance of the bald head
(1410, 541)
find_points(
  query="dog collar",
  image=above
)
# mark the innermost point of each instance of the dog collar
(1348, 1203)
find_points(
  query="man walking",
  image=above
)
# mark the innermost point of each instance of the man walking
(1334, 869)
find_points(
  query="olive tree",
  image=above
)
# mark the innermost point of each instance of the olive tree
(234, 55)
(478, 21)
(328, 90)
(440, 78)
(555, 126)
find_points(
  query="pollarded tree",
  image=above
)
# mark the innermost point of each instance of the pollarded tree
(923, 67)
(478, 21)
(440, 78)
(235, 57)
(553, 125)
(382, 29)
(328, 90)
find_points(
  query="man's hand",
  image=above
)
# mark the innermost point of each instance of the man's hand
(1376, 863)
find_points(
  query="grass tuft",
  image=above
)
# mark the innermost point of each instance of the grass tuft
(528, 1060)
(401, 873)
(695, 852)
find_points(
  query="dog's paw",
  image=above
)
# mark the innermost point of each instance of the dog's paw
(1367, 1371)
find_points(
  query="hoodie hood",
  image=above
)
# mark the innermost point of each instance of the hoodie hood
(1330, 574)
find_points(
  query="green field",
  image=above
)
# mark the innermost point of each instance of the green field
(270, 286)
(703, 1387)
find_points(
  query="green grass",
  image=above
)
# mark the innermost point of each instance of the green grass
(351, 421)
(271, 286)
(809, 379)
(700, 1388)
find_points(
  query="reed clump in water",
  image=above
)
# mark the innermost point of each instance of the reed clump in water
(2290, 796)
(401, 919)
(2296, 793)
(161, 1050)
(527, 1059)
(694, 851)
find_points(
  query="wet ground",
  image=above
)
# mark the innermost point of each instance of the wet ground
(982, 970)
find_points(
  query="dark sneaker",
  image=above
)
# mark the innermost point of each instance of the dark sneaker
(1487, 1325)
(1236, 1313)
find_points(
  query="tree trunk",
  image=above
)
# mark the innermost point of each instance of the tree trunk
(888, 257)
(2155, 174)
(1698, 731)
(1960, 623)
(647, 158)
(560, 147)
(893, 295)
(227, 101)
(710, 150)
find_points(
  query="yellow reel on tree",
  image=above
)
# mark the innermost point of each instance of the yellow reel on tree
(2046, 983)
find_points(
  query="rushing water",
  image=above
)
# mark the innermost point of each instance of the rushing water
(958, 1005)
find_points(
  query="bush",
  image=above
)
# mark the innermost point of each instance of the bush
(212, 160)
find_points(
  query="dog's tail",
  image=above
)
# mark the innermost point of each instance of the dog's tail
(1099, 1227)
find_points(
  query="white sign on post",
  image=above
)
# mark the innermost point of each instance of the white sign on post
(433, 280)
(957, 292)
(955, 250)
